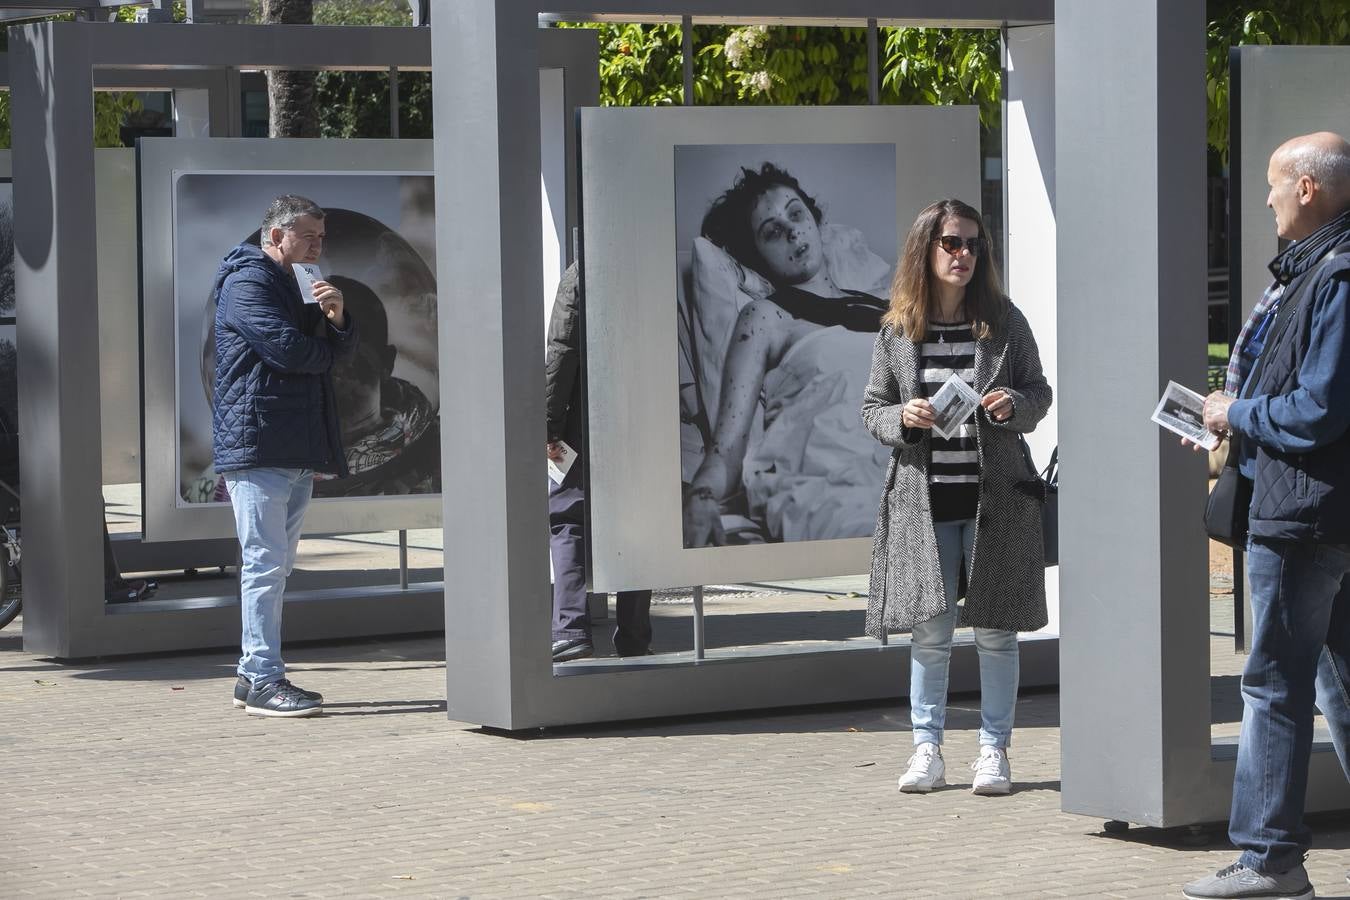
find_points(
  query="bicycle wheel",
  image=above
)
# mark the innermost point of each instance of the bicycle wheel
(10, 597)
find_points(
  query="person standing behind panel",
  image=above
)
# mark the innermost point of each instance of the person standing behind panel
(566, 413)
(970, 499)
(1291, 418)
(274, 423)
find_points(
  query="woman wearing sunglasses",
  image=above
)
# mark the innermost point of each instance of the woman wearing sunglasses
(963, 501)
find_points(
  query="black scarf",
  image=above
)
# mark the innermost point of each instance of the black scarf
(1300, 255)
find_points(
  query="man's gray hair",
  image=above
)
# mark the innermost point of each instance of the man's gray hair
(1329, 166)
(283, 212)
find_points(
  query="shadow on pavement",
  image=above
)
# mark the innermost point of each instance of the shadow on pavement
(383, 708)
(1331, 831)
(869, 715)
(400, 653)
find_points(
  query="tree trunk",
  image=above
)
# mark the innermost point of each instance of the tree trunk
(290, 95)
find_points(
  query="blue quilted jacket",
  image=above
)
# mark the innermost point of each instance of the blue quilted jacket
(1298, 415)
(273, 399)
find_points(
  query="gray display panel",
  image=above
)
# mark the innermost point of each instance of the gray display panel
(1283, 92)
(119, 319)
(118, 314)
(653, 337)
(200, 198)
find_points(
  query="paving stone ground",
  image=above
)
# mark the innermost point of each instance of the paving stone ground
(134, 777)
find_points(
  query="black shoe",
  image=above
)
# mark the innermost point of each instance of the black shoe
(242, 686)
(632, 651)
(572, 648)
(282, 700)
(123, 591)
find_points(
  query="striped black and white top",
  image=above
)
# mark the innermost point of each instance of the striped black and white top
(954, 469)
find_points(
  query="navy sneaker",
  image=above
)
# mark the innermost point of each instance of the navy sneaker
(122, 591)
(281, 700)
(569, 649)
(242, 686)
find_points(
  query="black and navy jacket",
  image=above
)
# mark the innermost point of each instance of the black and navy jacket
(1295, 418)
(273, 402)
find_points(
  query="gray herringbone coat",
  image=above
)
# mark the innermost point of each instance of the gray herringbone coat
(1006, 575)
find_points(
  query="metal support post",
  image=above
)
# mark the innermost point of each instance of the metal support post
(403, 559)
(393, 101)
(698, 622)
(687, 27)
(873, 64)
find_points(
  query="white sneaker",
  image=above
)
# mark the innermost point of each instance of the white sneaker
(992, 773)
(926, 770)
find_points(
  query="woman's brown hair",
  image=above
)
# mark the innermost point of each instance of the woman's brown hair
(913, 300)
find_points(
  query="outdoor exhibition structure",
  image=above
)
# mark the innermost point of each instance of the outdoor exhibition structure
(54, 69)
(499, 674)
(1105, 151)
(1104, 157)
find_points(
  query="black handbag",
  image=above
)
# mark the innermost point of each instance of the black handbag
(1230, 501)
(1046, 489)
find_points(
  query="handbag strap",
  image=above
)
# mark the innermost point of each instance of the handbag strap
(1234, 450)
(1049, 476)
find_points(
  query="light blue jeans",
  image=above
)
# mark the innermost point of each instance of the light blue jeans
(269, 507)
(931, 653)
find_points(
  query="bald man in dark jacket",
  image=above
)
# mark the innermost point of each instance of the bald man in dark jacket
(1290, 413)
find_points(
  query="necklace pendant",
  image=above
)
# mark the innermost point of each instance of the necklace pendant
(942, 338)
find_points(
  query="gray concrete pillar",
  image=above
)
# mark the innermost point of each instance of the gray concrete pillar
(1130, 190)
(57, 287)
(488, 237)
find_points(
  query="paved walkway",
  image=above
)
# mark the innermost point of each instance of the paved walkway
(136, 778)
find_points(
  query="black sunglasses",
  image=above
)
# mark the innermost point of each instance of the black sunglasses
(953, 243)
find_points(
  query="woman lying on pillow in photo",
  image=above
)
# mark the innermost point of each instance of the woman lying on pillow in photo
(805, 350)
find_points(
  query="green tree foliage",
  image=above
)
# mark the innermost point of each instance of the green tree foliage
(943, 67)
(641, 65)
(110, 109)
(356, 104)
(1233, 23)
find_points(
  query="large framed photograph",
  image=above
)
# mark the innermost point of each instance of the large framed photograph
(200, 199)
(736, 265)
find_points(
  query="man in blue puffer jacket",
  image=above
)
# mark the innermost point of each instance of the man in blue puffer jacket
(1291, 418)
(274, 424)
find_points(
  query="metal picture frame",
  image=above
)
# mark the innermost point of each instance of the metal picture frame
(161, 162)
(628, 193)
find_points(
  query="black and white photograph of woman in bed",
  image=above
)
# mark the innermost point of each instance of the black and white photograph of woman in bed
(788, 276)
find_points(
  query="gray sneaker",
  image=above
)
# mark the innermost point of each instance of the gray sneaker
(1237, 882)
